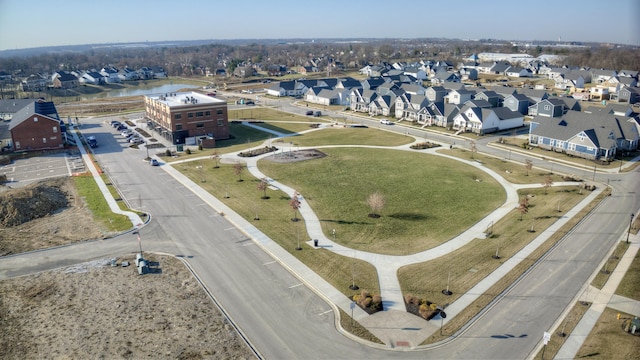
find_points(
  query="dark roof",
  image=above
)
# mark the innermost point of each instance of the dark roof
(12, 106)
(40, 107)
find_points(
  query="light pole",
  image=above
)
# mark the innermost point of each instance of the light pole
(630, 223)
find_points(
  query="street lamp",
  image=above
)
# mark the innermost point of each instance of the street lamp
(630, 223)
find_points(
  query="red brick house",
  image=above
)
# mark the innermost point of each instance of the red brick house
(36, 127)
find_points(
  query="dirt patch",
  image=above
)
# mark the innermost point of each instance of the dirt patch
(293, 156)
(97, 311)
(42, 215)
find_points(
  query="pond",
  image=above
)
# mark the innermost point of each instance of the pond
(142, 89)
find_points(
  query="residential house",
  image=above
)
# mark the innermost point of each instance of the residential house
(37, 127)
(128, 74)
(111, 75)
(93, 77)
(599, 76)
(534, 95)
(445, 76)
(486, 120)
(459, 96)
(550, 107)
(359, 99)
(593, 136)
(468, 73)
(629, 73)
(569, 81)
(630, 95)
(383, 105)
(64, 80)
(599, 93)
(436, 93)
(517, 102)
(372, 83)
(490, 96)
(145, 73)
(415, 72)
(500, 68)
(287, 88)
(34, 82)
(243, 71)
(408, 107)
(413, 89)
(518, 72)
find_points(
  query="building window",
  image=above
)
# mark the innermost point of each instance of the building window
(200, 125)
(220, 122)
(35, 119)
(44, 140)
(177, 116)
(207, 113)
(199, 114)
(219, 112)
(178, 127)
(547, 107)
(190, 115)
(55, 129)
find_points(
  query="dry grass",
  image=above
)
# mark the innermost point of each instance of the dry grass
(564, 330)
(472, 310)
(603, 275)
(608, 341)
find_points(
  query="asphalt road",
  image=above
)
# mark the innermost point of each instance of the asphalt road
(283, 318)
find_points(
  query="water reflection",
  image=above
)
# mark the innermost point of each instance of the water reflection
(144, 89)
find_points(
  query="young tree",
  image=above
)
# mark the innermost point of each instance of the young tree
(216, 157)
(528, 164)
(237, 169)
(262, 186)
(295, 205)
(548, 181)
(523, 208)
(376, 203)
(473, 147)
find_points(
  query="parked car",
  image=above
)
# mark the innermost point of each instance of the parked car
(115, 123)
(121, 127)
(91, 140)
(385, 122)
(310, 112)
(317, 113)
(136, 141)
(154, 162)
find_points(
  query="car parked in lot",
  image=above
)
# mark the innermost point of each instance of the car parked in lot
(385, 122)
(154, 162)
(115, 123)
(126, 132)
(121, 127)
(136, 141)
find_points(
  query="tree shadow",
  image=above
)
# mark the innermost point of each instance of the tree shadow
(409, 216)
(343, 222)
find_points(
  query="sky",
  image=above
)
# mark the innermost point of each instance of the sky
(37, 23)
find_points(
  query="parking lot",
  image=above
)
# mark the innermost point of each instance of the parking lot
(22, 172)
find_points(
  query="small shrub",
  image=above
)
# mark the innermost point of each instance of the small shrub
(188, 151)
(200, 147)
(167, 152)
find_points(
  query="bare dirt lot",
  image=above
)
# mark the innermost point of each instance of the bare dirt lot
(95, 310)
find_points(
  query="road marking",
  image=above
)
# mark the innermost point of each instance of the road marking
(324, 312)
(231, 228)
(295, 286)
(270, 262)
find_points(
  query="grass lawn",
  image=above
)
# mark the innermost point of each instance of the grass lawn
(608, 341)
(425, 205)
(629, 286)
(603, 275)
(267, 114)
(284, 127)
(470, 264)
(512, 171)
(567, 326)
(351, 136)
(90, 192)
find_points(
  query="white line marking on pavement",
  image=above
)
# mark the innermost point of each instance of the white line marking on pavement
(269, 263)
(324, 312)
(231, 228)
(295, 286)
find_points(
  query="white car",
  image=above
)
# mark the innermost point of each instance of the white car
(385, 122)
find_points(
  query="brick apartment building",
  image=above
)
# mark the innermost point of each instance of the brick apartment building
(178, 116)
(37, 127)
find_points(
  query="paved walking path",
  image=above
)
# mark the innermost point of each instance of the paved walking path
(394, 325)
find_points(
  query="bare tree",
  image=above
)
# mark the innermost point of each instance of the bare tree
(473, 147)
(548, 181)
(376, 203)
(523, 208)
(262, 186)
(528, 164)
(237, 169)
(216, 157)
(295, 205)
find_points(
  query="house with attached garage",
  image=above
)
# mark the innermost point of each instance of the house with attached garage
(630, 95)
(37, 126)
(595, 136)
(486, 120)
(491, 97)
(517, 102)
(459, 96)
(550, 107)
(287, 88)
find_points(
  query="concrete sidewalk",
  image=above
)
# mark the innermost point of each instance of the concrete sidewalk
(394, 326)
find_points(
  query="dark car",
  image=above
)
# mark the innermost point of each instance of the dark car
(310, 112)
(115, 123)
(154, 162)
(121, 127)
